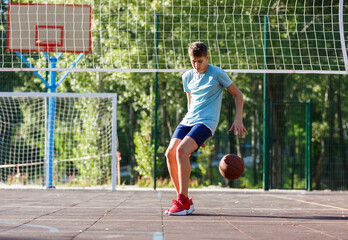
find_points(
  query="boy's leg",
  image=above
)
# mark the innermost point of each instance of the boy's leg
(172, 163)
(183, 152)
(180, 170)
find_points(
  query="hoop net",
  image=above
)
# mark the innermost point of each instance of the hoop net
(49, 46)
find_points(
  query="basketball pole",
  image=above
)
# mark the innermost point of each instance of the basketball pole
(52, 86)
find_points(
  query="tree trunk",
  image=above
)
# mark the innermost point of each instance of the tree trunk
(257, 136)
(132, 121)
(330, 146)
(163, 132)
(100, 114)
(319, 164)
(230, 116)
(164, 113)
(276, 90)
(319, 168)
(253, 146)
(259, 140)
(231, 136)
(293, 154)
(342, 142)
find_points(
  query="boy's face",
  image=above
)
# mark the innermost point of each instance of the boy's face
(200, 63)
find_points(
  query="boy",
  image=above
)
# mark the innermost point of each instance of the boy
(203, 86)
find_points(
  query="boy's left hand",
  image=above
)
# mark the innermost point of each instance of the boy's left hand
(238, 128)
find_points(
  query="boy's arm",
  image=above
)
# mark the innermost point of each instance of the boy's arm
(188, 95)
(237, 125)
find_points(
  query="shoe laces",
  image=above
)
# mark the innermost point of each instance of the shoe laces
(176, 202)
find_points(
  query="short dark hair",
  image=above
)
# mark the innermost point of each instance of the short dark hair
(198, 49)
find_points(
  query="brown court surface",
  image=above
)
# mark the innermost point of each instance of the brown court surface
(138, 214)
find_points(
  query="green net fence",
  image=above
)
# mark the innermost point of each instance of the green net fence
(287, 120)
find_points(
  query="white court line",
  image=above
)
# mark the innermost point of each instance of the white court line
(51, 229)
(312, 203)
(157, 236)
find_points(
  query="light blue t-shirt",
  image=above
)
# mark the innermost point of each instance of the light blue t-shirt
(206, 96)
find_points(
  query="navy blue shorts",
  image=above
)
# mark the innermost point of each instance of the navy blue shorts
(199, 132)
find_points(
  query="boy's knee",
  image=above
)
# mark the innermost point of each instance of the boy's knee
(182, 152)
(170, 153)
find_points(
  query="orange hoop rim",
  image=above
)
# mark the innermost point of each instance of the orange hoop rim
(44, 43)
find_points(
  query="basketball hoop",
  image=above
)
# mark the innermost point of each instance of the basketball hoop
(48, 45)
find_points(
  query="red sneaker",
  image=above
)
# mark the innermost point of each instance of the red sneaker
(180, 206)
(192, 208)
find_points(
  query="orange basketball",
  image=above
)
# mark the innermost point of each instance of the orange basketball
(231, 166)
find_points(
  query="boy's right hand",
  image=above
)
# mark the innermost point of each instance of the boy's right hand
(238, 128)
